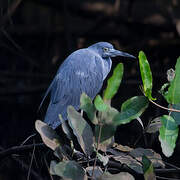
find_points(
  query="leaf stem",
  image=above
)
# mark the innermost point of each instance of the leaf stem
(99, 138)
(162, 107)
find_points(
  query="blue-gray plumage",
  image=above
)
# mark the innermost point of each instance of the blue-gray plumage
(82, 71)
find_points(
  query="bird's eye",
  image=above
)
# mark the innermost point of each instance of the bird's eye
(105, 49)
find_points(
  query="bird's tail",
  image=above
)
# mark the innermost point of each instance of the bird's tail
(52, 114)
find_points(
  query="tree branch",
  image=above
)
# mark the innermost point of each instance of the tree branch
(18, 149)
(10, 12)
(162, 107)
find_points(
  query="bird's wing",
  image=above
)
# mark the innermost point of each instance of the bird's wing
(76, 77)
(46, 93)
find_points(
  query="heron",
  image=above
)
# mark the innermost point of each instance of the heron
(82, 71)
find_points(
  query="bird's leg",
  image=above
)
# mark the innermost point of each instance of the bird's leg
(82, 113)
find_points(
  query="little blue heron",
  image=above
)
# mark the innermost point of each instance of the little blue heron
(82, 71)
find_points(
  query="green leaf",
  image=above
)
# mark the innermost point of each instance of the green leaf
(114, 82)
(69, 170)
(81, 130)
(107, 131)
(107, 128)
(176, 115)
(107, 144)
(148, 169)
(119, 176)
(48, 134)
(99, 104)
(52, 166)
(97, 171)
(87, 106)
(133, 157)
(146, 75)
(168, 135)
(173, 96)
(66, 128)
(108, 115)
(131, 109)
(154, 157)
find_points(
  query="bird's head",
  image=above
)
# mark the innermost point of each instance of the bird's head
(105, 50)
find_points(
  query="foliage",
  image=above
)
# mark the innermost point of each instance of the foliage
(173, 95)
(96, 136)
(114, 82)
(168, 128)
(148, 169)
(168, 134)
(146, 74)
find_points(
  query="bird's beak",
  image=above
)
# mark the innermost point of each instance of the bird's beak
(114, 53)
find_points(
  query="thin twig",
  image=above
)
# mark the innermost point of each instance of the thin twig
(11, 40)
(162, 107)
(162, 171)
(24, 166)
(171, 165)
(29, 171)
(48, 168)
(165, 178)
(17, 149)
(32, 135)
(10, 12)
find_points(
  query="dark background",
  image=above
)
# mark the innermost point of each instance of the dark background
(37, 35)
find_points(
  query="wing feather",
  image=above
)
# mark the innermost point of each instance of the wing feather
(81, 73)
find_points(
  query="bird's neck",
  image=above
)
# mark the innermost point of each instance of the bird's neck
(107, 63)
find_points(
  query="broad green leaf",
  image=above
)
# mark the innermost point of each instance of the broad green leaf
(65, 127)
(52, 166)
(107, 131)
(176, 115)
(148, 169)
(146, 75)
(70, 170)
(131, 109)
(168, 135)
(133, 159)
(87, 106)
(114, 82)
(81, 130)
(119, 176)
(105, 145)
(108, 115)
(129, 161)
(99, 104)
(173, 96)
(97, 171)
(154, 157)
(48, 134)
